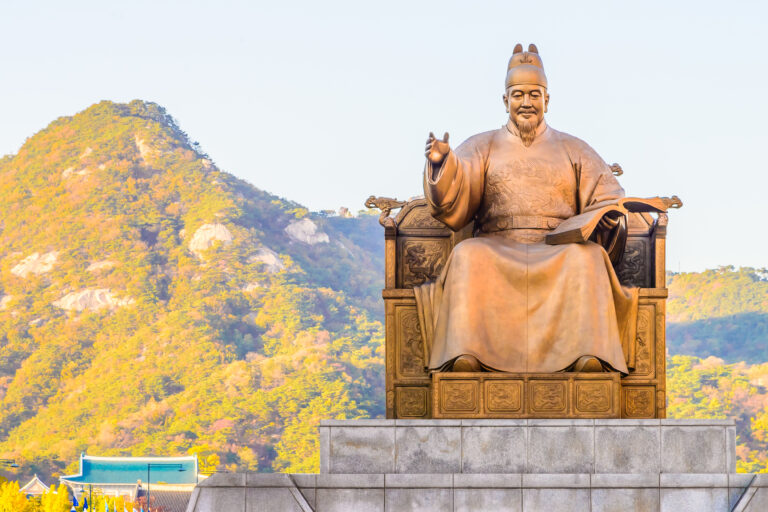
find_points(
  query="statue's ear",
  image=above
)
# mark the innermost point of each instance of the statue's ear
(518, 49)
(532, 48)
(546, 102)
(506, 102)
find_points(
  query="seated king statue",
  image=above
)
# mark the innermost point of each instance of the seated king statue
(506, 300)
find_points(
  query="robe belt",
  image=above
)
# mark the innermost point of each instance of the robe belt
(521, 222)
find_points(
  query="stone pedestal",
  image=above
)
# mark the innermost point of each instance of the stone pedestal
(514, 465)
(528, 446)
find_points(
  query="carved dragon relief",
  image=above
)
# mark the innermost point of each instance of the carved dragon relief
(504, 396)
(639, 402)
(548, 396)
(386, 205)
(459, 396)
(643, 339)
(424, 260)
(412, 402)
(411, 351)
(633, 270)
(593, 397)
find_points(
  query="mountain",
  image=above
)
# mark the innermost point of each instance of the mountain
(153, 304)
(721, 312)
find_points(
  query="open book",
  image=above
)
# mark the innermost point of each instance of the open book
(579, 228)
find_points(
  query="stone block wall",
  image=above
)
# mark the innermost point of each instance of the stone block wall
(528, 446)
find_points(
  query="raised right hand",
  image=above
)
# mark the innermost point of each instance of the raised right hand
(436, 150)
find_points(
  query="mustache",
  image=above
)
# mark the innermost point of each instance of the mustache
(527, 110)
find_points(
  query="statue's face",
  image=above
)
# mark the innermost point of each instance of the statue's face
(526, 104)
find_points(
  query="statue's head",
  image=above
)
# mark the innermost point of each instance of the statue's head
(526, 95)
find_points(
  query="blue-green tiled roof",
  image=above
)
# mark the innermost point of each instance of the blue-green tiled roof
(128, 470)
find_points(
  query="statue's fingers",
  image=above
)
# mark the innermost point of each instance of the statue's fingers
(431, 136)
(445, 137)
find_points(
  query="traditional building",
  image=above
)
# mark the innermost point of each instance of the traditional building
(34, 487)
(132, 477)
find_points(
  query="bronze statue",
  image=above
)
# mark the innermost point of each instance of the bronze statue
(506, 300)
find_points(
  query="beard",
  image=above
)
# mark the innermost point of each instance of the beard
(527, 129)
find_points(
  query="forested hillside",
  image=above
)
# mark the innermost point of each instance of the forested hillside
(152, 304)
(721, 312)
(711, 388)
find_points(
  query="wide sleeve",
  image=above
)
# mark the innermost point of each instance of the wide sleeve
(598, 187)
(597, 184)
(455, 189)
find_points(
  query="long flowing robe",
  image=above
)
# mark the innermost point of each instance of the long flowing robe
(504, 296)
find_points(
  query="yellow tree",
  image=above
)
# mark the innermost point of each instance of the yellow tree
(56, 500)
(11, 500)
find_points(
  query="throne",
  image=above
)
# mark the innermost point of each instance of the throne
(416, 248)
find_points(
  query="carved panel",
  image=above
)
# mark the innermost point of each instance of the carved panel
(419, 217)
(639, 402)
(634, 269)
(410, 351)
(503, 396)
(644, 340)
(593, 397)
(548, 396)
(459, 396)
(525, 395)
(422, 259)
(411, 402)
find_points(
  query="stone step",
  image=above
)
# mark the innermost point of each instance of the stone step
(655, 492)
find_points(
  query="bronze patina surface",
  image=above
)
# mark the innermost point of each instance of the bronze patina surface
(469, 275)
(506, 297)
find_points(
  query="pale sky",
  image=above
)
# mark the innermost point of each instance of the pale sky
(328, 102)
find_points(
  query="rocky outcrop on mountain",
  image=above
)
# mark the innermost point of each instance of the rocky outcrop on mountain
(206, 236)
(145, 150)
(35, 263)
(306, 231)
(98, 266)
(270, 259)
(91, 299)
